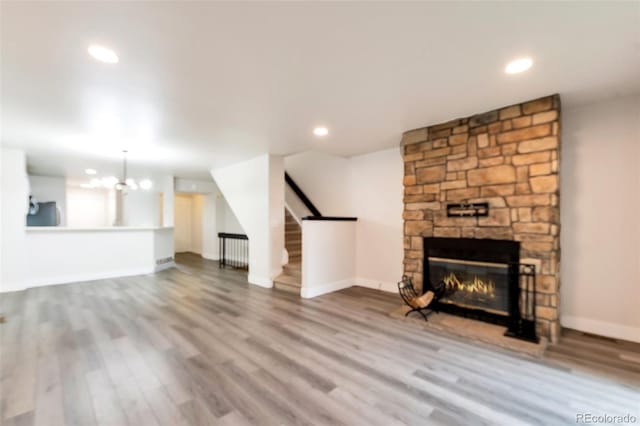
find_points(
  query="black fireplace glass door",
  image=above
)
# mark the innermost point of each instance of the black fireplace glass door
(472, 284)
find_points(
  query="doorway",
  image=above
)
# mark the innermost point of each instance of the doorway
(188, 223)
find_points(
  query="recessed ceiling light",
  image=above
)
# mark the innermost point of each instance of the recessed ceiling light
(103, 54)
(90, 171)
(321, 131)
(518, 65)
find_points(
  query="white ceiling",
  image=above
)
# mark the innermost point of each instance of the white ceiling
(203, 84)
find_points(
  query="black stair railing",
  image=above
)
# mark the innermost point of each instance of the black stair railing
(233, 250)
(303, 197)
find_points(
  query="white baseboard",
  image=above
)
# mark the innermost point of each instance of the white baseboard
(309, 292)
(76, 278)
(601, 328)
(210, 256)
(11, 287)
(260, 281)
(164, 266)
(378, 285)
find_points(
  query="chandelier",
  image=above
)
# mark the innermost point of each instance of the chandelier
(124, 183)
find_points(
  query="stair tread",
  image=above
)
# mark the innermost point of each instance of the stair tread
(293, 244)
(292, 272)
(287, 288)
(288, 280)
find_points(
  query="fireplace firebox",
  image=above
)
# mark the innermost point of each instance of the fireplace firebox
(482, 279)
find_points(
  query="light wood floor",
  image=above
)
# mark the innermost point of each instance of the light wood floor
(617, 359)
(197, 345)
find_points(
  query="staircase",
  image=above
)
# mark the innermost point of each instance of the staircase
(291, 277)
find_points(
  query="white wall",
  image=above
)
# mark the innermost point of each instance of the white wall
(254, 190)
(197, 210)
(96, 207)
(376, 194)
(90, 207)
(141, 208)
(14, 196)
(328, 256)
(276, 213)
(209, 227)
(195, 186)
(182, 223)
(210, 214)
(600, 201)
(163, 247)
(166, 188)
(323, 178)
(295, 205)
(226, 220)
(50, 188)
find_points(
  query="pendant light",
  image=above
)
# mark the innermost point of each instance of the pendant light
(122, 184)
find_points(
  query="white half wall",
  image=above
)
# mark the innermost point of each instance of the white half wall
(254, 190)
(328, 256)
(600, 201)
(14, 197)
(63, 255)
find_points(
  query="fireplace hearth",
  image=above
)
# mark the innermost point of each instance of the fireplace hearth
(482, 279)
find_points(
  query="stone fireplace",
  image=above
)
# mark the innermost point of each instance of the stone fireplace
(508, 158)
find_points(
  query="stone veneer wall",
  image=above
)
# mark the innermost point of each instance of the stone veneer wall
(507, 157)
